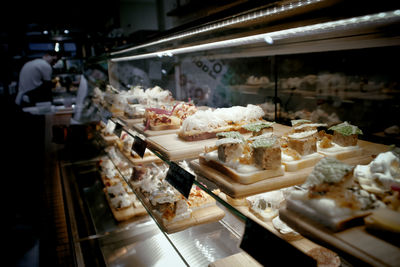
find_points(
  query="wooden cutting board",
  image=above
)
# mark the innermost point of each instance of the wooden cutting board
(174, 148)
(355, 241)
(142, 161)
(140, 128)
(238, 190)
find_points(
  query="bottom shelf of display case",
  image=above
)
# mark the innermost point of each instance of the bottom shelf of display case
(139, 241)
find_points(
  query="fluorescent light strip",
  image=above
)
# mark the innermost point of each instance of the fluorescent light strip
(272, 36)
(225, 23)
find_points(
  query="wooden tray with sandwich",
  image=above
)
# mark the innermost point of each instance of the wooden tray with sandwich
(351, 208)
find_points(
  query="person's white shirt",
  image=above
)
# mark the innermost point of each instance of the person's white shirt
(32, 75)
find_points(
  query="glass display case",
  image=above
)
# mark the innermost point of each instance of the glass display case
(294, 60)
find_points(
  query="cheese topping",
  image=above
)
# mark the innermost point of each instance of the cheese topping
(346, 129)
(380, 174)
(209, 120)
(327, 170)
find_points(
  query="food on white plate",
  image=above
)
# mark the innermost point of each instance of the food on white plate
(245, 161)
(380, 174)
(299, 150)
(205, 124)
(331, 197)
(343, 143)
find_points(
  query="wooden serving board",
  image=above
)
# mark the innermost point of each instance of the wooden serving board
(174, 148)
(140, 128)
(355, 241)
(238, 190)
(200, 216)
(142, 161)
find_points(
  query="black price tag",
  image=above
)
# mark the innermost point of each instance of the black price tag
(180, 179)
(139, 145)
(118, 129)
(270, 250)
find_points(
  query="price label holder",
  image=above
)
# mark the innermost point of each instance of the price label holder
(139, 145)
(179, 178)
(118, 129)
(270, 250)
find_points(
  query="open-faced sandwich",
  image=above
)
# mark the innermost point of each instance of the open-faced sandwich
(343, 143)
(245, 161)
(168, 205)
(205, 124)
(331, 197)
(158, 119)
(299, 146)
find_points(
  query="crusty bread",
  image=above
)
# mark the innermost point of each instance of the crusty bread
(304, 162)
(243, 178)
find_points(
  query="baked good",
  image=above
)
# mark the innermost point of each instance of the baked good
(158, 119)
(331, 197)
(259, 127)
(168, 204)
(343, 143)
(299, 150)
(199, 199)
(205, 124)
(120, 202)
(245, 161)
(266, 205)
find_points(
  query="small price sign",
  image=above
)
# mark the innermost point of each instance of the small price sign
(118, 129)
(139, 145)
(270, 250)
(179, 178)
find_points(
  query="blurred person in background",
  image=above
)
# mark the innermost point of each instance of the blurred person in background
(35, 80)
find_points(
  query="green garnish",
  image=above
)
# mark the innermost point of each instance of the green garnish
(346, 129)
(257, 126)
(264, 142)
(232, 134)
